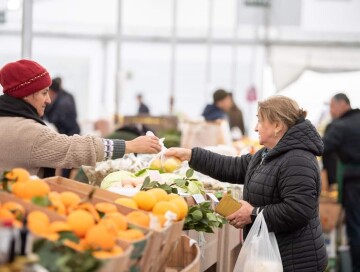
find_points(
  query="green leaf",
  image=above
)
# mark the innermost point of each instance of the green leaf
(42, 201)
(140, 172)
(68, 235)
(211, 217)
(197, 215)
(180, 182)
(147, 181)
(56, 257)
(189, 173)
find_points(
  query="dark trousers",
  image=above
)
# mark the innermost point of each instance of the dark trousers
(352, 213)
(65, 173)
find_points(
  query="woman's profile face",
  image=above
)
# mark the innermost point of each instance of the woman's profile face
(266, 132)
(39, 100)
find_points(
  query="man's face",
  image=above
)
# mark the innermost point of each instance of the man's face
(337, 108)
(225, 104)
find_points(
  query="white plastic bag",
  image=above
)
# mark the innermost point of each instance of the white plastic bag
(163, 163)
(260, 251)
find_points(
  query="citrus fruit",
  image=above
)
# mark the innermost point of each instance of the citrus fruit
(119, 219)
(171, 164)
(130, 234)
(110, 225)
(38, 224)
(105, 207)
(58, 226)
(36, 187)
(98, 237)
(163, 207)
(138, 218)
(181, 204)
(69, 199)
(145, 200)
(19, 189)
(159, 193)
(18, 174)
(15, 208)
(127, 202)
(156, 164)
(80, 222)
(172, 196)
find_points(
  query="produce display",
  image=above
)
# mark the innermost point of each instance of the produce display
(83, 232)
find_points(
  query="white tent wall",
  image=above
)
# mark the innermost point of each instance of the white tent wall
(75, 39)
(288, 63)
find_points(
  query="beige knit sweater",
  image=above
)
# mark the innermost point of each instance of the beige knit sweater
(30, 145)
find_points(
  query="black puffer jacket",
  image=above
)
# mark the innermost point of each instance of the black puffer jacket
(286, 184)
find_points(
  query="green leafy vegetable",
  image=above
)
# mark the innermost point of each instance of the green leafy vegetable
(147, 185)
(42, 201)
(201, 217)
(54, 256)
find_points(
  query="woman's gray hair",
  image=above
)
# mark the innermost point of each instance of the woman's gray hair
(279, 108)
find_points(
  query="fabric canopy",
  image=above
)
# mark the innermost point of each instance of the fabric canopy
(288, 62)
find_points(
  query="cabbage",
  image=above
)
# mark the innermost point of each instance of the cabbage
(115, 177)
(195, 187)
(169, 178)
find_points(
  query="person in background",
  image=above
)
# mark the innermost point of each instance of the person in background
(143, 109)
(236, 117)
(329, 164)
(62, 113)
(62, 110)
(282, 180)
(342, 137)
(222, 103)
(26, 141)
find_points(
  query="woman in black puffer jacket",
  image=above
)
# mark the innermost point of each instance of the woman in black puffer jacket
(282, 179)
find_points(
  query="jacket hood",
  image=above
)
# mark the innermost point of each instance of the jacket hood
(302, 136)
(212, 113)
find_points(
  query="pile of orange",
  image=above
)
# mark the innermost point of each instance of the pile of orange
(12, 213)
(98, 226)
(156, 201)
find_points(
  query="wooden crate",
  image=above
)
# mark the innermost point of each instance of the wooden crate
(185, 257)
(118, 263)
(166, 248)
(228, 247)
(160, 242)
(29, 207)
(209, 247)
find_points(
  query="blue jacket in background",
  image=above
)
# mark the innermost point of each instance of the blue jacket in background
(212, 113)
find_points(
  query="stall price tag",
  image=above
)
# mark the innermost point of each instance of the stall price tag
(199, 198)
(213, 197)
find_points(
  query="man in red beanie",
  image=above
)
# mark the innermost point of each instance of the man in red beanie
(26, 141)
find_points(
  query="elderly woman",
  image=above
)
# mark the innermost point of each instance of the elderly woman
(25, 140)
(282, 180)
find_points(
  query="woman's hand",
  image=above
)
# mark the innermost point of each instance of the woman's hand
(242, 216)
(182, 154)
(143, 144)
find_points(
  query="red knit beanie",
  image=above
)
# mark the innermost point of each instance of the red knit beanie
(23, 77)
